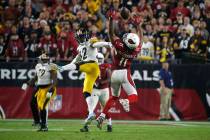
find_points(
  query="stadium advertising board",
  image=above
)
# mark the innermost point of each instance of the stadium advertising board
(189, 100)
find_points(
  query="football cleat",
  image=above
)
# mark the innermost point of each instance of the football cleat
(99, 121)
(84, 129)
(125, 104)
(90, 118)
(109, 128)
(43, 129)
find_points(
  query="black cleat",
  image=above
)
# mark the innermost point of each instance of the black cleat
(99, 121)
(109, 128)
(84, 129)
(43, 129)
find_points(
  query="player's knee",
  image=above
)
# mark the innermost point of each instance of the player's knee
(86, 94)
(133, 98)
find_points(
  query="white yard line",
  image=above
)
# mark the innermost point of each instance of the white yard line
(178, 123)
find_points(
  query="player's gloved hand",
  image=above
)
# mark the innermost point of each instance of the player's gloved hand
(110, 45)
(24, 86)
(137, 20)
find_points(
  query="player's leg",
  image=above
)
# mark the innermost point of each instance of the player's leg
(41, 96)
(43, 99)
(129, 87)
(115, 87)
(92, 105)
(103, 98)
(34, 108)
(115, 95)
(94, 101)
(92, 72)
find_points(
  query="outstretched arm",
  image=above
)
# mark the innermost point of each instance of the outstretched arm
(30, 83)
(139, 30)
(138, 23)
(70, 66)
(112, 35)
(102, 44)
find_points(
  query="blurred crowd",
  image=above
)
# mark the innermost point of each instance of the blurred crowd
(175, 29)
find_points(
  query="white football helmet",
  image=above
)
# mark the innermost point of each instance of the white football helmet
(100, 58)
(131, 40)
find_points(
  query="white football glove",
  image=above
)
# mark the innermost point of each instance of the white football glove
(24, 86)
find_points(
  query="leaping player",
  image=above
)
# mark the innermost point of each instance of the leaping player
(125, 50)
(100, 91)
(87, 62)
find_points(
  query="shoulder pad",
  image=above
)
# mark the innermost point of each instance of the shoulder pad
(38, 65)
(53, 66)
(93, 40)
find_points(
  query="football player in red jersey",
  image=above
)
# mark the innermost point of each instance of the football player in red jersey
(125, 50)
(100, 93)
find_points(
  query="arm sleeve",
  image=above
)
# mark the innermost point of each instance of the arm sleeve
(102, 44)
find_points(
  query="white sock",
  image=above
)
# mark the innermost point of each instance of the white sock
(70, 66)
(109, 121)
(91, 103)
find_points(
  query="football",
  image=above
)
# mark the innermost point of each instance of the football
(125, 13)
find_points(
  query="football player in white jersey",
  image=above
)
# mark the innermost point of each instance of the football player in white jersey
(87, 62)
(46, 80)
(100, 91)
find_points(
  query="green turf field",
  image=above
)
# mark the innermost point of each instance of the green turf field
(122, 130)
